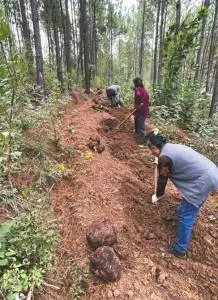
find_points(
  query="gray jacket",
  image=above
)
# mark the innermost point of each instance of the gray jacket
(114, 95)
(192, 173)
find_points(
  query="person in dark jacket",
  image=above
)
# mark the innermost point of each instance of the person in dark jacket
(142, 108)
(195, 176)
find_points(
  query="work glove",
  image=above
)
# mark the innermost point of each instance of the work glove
(154, 198)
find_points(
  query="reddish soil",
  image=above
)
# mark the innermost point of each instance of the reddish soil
(117, 185)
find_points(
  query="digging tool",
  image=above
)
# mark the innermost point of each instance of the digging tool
(154, 196)
(129, 116)
(118, 126)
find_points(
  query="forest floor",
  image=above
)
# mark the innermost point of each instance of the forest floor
(117, 184)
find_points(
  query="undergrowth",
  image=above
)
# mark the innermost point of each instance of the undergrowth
(26, 251)
(29, 238)
(205, 140)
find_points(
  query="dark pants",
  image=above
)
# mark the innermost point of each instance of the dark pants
(140, 128)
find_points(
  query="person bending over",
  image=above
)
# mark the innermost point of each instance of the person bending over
(195, 176)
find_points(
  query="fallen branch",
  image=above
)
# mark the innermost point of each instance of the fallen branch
(50, 285)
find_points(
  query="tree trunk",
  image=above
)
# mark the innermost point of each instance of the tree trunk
(162, 26)
(201, 42)
(81, 40)
(215, 93)
(57, 43)
(213, 42)
(76, 44)
(178, 14)
(156, 46)
(85, 42)
(204, 57)
(38, 45)
(141, 54)
(68, 39)
(50, 46)
(110, 66)
(17, 20)
(27, 38)
(94, 38)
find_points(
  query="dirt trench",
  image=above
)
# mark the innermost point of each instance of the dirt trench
(117, 185)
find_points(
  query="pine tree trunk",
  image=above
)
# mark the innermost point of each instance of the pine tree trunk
(27, 38)
(204, 58)
(215, 93)
(94, 38)
(81, 41)
(156, 46)
(68, 39)
(178, 14)
(141, 54)
(85, 42)
(201, 42)
(38, 45)
(50, 46)
(57, 43)
(213, 43)
(75, 35)
(162, 27)
(17, 19)
(110, 66)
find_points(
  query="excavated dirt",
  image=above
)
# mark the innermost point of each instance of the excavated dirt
(117, 185)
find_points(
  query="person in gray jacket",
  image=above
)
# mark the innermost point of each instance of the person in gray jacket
(195, 176)
(115, 96)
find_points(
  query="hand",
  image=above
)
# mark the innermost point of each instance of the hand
(156, 161)
(154, 198)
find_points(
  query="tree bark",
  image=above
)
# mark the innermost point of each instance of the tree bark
(110, 66)
(85, 43)
(213, 42)
(178, 14)
(204, 57)
(57, 43)
(94, 48)
(68, 37)
(156, 46)
(141, 54)
(215, 93)
(38, 45)
(17, 20)
(162, 29)
(201, 42)
(27, 38)
(76, 44)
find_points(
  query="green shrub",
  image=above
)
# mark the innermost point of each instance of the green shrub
(26, 248)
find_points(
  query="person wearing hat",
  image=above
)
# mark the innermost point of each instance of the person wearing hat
(195, 176)
(141, 109)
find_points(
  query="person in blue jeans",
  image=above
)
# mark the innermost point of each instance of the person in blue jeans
(142, 109)
(195, 176)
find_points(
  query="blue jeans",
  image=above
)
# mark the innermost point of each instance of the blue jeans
(187, 215)
(140, 127)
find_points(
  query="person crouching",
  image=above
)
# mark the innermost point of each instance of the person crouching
(114, 95)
